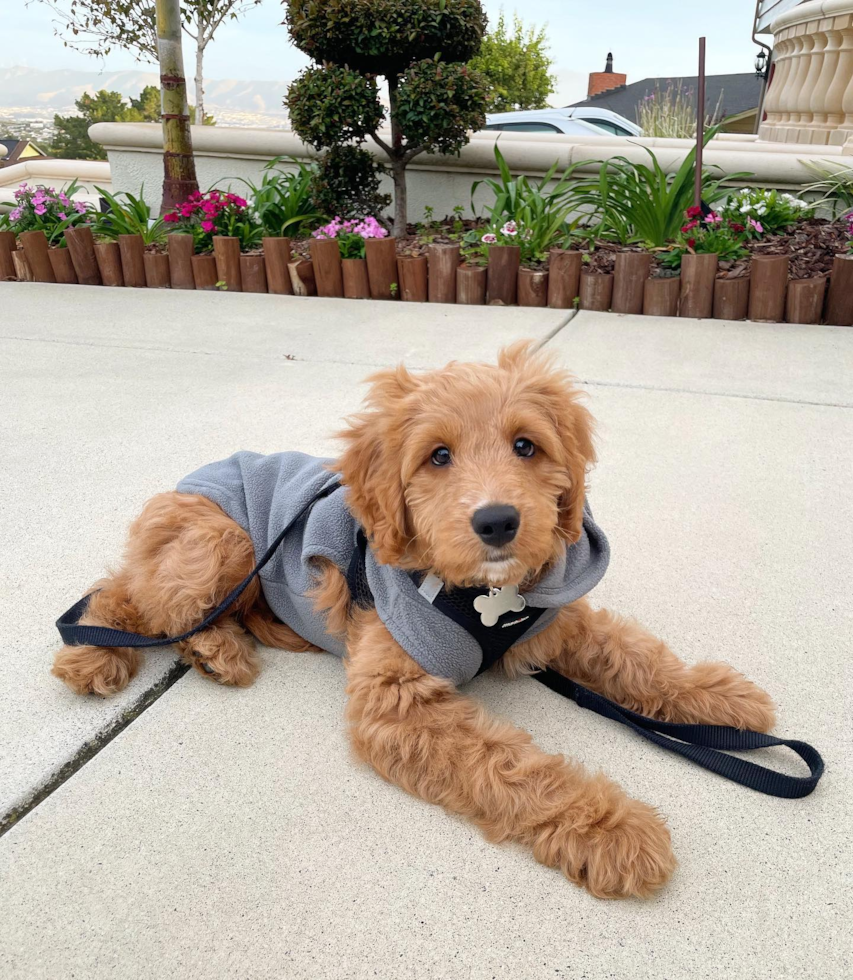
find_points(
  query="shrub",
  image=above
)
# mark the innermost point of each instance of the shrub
(129, 217)
(671, 112)
(419, 46)
(346, 182)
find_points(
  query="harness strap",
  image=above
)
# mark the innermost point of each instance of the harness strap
(75, 634)
(701, 743)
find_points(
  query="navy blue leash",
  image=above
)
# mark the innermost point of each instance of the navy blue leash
(702, 743)
(699, 743)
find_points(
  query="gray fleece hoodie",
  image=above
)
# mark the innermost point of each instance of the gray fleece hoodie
(263, 493)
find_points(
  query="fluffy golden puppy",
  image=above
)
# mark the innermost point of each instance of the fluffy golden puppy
(469, 477)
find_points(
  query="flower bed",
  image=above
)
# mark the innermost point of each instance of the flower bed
(756, 254)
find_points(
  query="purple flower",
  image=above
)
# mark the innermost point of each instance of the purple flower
(40, 209)
(79, 207)
(15, 215)
(63, 216)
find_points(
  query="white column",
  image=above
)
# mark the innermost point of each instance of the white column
(820, 106)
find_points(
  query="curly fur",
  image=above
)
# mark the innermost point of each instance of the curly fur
(184, 555)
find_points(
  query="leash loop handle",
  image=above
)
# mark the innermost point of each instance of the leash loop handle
(706, 745)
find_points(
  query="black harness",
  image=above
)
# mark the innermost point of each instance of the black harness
(701, 744)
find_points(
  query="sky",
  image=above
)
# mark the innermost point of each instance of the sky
(649, 38)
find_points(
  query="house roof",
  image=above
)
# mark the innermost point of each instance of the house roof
(14, 149)
(734, 93)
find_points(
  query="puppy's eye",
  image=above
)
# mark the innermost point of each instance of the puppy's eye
(440, 456)
(523, 447)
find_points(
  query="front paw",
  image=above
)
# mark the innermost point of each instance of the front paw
(626, 853)
(717, 694)
(96, 670)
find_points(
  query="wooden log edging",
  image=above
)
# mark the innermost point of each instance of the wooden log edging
(226, 250)
(108, 257)
(23, 272)
(629, 281)
(301, 272)
(181, 248)
(471, 285)
(253, 273)
(532, 287)
(36, 250)
(81, 245)
(661, 296)
(768, 286)
(204, 271)
(326, 256)
(502, 275)
(277, 256)
(805, 300)
(839, 302)
(412, 277)
(596, 291)
(443, 261)
(356, 283)
(698, 277)
(157, 274)
(564, 272)
(63, 267)
(132, 250)
(731, 298)
(381, 255)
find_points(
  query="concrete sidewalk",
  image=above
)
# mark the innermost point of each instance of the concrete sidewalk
(227, 833)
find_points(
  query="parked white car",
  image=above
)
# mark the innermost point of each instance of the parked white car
(579, 121)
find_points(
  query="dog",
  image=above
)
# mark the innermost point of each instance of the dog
(469, 477)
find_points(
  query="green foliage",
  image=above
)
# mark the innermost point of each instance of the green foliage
(774, 210)
(333, 105)
(835, 184)
(438, 103)
(671, 112)
(283, 200)
(515, 63)
(384, 37)
(346, 183)
(638, 203)
(130, 216)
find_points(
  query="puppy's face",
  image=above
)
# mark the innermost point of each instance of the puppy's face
(475, 472)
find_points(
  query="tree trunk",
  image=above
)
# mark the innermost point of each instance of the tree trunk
(179, 176)
(199, 77)
(398, 166)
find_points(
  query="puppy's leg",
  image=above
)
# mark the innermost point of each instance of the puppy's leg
(621, 660)
(183, 556)
(102, 670)
(417, 732)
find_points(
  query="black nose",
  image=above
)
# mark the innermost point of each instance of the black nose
(497, 524)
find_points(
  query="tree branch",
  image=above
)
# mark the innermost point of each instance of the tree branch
(410, 154)
(385, 146)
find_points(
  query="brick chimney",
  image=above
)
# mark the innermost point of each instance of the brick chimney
(604, 81)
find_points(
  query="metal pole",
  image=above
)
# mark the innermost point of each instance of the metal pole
(700, 124)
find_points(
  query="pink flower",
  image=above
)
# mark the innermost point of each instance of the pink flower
(208, 225)
(170, 217)
(713, 219)
(40, 209)
(756, 225)
(489, 238)
(63, 197)
(79, 207)
(15, 214)
(63, 216)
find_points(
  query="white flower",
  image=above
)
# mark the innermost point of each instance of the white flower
(510, 228)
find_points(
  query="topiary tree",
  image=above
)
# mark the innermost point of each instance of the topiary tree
(420, 47)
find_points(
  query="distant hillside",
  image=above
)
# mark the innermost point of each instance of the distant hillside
(56, 91)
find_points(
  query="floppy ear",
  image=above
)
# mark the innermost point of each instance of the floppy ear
(370, 464)
(575, 426)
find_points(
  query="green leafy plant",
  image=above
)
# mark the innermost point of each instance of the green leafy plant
(346, 182)
(419, 46)
(835, 184)
(283, 200)
(711, 234)
(128, 215)
(775, 211)
(515, 63)
(634, 203)
(45, 209)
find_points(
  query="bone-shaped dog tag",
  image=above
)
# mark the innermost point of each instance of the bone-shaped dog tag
(499, 601)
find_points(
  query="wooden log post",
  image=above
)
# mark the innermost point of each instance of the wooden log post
(157, 270)
(471, 285)
(412, 276)
(34, 244)
(731, 298)
(7, 246)
(381, 255)
(63, 267)
(661, 296)
(253, 273)
(564, 273)
(805, 300)
(132, 250)
(839, 303)
(81, 244)
(629, 281)
(326, 256)
(698, 276)
(532, 287)
(181, 249)
(301, 272)
(226, 249)
(23, 272)
(108, 257)
(768, 287)
(502, 277)
(443, 262)
(276, 258)
(356, 283)
(204, 271)
(596, 291)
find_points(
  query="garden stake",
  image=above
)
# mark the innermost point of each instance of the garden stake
(700, 127)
